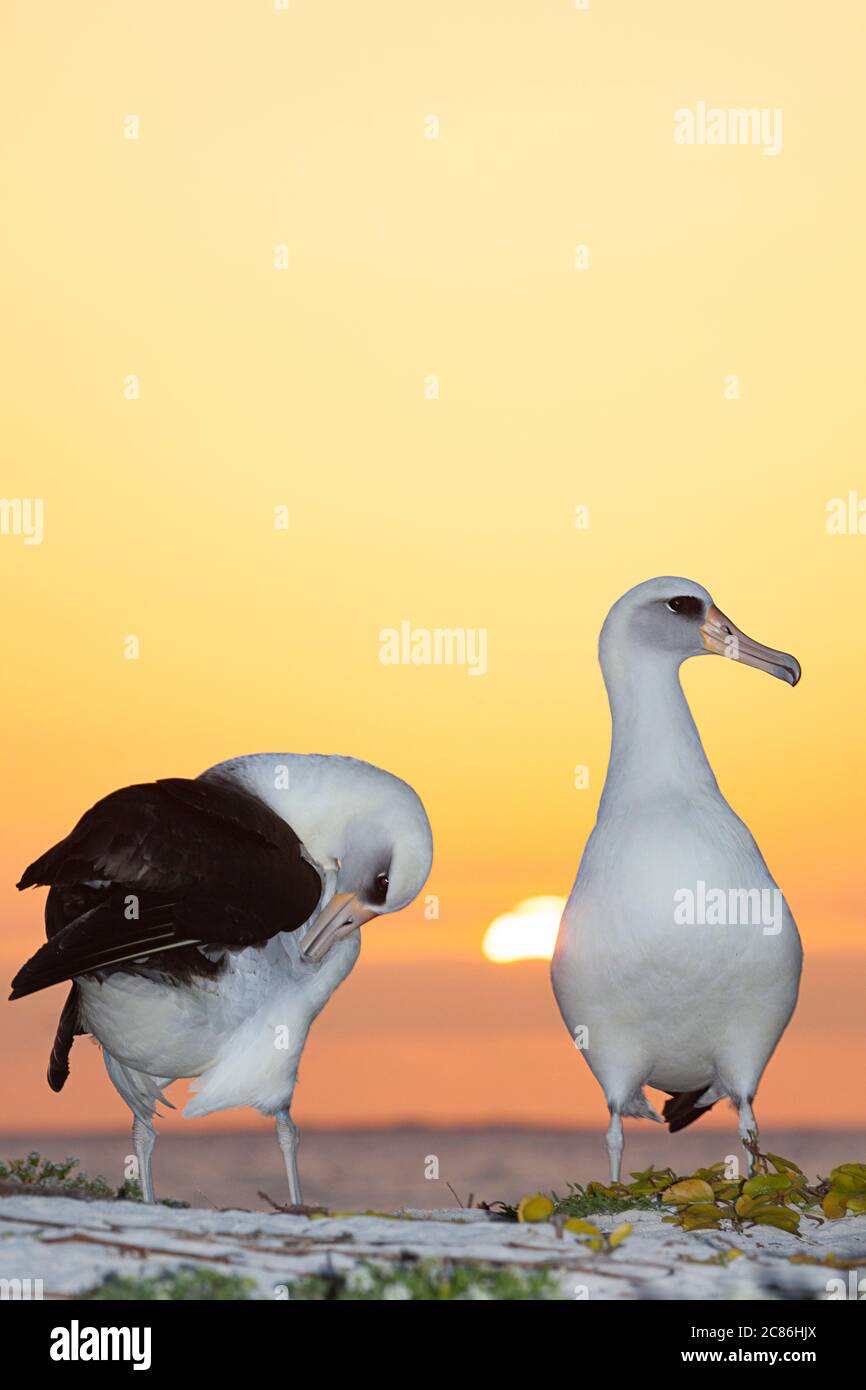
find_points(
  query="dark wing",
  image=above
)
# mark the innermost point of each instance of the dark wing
(67, 1028)
(682, 1110)
(162, 865)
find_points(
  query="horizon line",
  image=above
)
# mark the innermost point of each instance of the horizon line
(365, 1127)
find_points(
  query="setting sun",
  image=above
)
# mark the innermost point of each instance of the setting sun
(528, 932)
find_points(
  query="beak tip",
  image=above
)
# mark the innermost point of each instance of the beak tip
(791, 669)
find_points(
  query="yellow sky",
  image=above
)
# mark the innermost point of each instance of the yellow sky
(407, 257)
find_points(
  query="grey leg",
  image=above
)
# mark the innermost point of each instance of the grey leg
(614, 1141)
(143, 1140)
(288, 1138)
(748, 1127)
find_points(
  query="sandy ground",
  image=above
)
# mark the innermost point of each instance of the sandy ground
(70, 1245)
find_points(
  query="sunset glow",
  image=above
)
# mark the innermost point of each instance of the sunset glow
(526, 933)
(346, 438)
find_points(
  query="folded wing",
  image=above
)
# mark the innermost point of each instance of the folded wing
(164, 865)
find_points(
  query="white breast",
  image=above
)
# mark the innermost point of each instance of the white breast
(678, 999)
(240, 1033)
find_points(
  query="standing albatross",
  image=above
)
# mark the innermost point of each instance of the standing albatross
(205, 924)
(678, 961)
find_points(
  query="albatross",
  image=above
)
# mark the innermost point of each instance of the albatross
(205, 923)
(668, 972)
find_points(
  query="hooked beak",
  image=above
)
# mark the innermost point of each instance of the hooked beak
(719, 635)
(338, 919)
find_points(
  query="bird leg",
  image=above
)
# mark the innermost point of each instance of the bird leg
(614, 1142)
(288, 1138)
(748, 1129)
(143, 1140)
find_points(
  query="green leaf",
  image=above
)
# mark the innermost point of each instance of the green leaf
(536, 1207)
(834, 1205)
(701, 1215)
(708, 1209)
(620, 1234)
(848, 1179)
(726, 1191)
(783, 1218)
(785, 1165)
(580, 1227)
(687, 1192)
(766, 1182)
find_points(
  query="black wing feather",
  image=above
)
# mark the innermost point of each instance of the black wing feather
(681, 1110)
(183, 863)
(58, 1062)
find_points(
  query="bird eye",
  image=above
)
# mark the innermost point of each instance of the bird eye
(685, 603)
(382, 886)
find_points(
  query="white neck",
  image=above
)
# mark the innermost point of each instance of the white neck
(655, 746)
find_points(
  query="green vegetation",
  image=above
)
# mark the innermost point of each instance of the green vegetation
(589, 1202)
(58, 1179)
(130, 1191)
(431, 1281)
(178, 1285)
(36, 1171)
(412, 1280)
(778, 1194)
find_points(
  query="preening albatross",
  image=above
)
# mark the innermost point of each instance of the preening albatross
(678, 961)
(204, 924)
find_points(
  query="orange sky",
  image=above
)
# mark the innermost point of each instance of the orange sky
(559, 388)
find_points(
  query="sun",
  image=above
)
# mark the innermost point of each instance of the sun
(527, 932)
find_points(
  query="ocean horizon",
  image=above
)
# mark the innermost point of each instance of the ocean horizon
(416, 1164)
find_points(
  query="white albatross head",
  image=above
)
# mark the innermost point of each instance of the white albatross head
(385, 859)
(365, 830)
(667, 620)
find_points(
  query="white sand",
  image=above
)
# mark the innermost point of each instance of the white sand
(71, 1245)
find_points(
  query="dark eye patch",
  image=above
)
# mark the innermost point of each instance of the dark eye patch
(380, 889)
(686, 605)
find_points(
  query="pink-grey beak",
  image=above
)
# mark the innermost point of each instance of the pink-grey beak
(721, 636)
